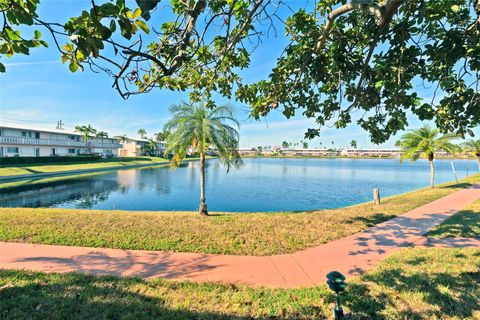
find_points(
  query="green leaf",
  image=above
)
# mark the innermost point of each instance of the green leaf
(125, 28)
(38, 34)
(73, 66)
(2, 67)
(109, 9)
(113, 26)
(142, 25)
(146, 6)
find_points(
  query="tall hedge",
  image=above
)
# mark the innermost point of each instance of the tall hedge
(55, 159)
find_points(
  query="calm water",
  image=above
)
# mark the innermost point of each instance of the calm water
(262, 185)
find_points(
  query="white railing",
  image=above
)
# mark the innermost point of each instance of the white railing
(61, 143)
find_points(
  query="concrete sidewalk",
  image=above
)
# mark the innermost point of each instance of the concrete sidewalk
(351, 255)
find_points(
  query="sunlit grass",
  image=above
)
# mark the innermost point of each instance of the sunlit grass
(11, 170)
(465, 223)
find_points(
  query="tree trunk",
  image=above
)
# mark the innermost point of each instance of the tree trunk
(478, 160)
(432, 170)
(203, 205)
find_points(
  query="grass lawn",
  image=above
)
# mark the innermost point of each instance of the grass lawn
(228, 233)
(12, 170)
(465, 223)
(411, 284)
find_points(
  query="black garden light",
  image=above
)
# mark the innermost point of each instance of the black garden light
(336, 282)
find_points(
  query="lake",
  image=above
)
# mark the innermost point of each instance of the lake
(270, 184)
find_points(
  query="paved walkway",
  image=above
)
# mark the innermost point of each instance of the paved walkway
(351, 255)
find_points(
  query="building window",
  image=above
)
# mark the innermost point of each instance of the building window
(72, 151)
(37, 135)
(12, 149)
(26, 134)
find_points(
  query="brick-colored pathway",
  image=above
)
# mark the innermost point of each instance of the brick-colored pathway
(351, 255)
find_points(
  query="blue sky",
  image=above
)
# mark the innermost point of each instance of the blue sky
(39, 90)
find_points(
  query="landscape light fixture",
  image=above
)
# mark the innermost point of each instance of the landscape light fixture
(336, 282)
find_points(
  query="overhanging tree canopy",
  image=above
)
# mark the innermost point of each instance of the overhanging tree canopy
(364, 56)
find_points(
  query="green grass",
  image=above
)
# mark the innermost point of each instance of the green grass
(411, 284)
(465, 223)
(12, 170)
(39, 182)
(227, 233)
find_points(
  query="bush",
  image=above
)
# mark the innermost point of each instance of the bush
(54, 159)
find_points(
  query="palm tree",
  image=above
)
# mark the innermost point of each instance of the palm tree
(353, 143)
(425, 141)
(101, 135)
(142, 133)
(150, 147)
(284, 144)
(86, 132)
(123, 138)
(195, 125)
(161, 136)
(473, 147)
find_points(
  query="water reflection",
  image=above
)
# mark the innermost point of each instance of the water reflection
(84, 193)
(262, 185)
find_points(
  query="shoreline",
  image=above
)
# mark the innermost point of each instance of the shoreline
(36, 176)
(447, 184)
(353, 158)
(222, 233)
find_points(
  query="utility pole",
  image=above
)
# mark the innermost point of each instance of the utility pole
(60, 125)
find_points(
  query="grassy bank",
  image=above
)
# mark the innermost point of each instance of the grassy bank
(12, 170)
(239, 234)
(412, 284)
(465, 223)
(26, 183)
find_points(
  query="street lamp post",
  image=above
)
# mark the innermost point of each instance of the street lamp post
(336, 282)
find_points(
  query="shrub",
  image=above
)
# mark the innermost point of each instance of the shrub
(54, 159)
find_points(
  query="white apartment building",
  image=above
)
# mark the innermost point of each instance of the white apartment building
(32, 141)
(135, 148)
(371, 152)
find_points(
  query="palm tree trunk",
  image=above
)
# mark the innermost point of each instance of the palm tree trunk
(432, 175)
(432, 170)
(478, 160)
(203, 205)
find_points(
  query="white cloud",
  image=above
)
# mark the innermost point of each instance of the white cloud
(19, 64)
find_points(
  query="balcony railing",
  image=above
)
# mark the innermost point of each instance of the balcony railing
(56, 143)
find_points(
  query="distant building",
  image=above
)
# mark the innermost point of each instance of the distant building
(136, 148)
(370, 152)
(32, 141)
(289, 152)
(310, 152)
(247, 151)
